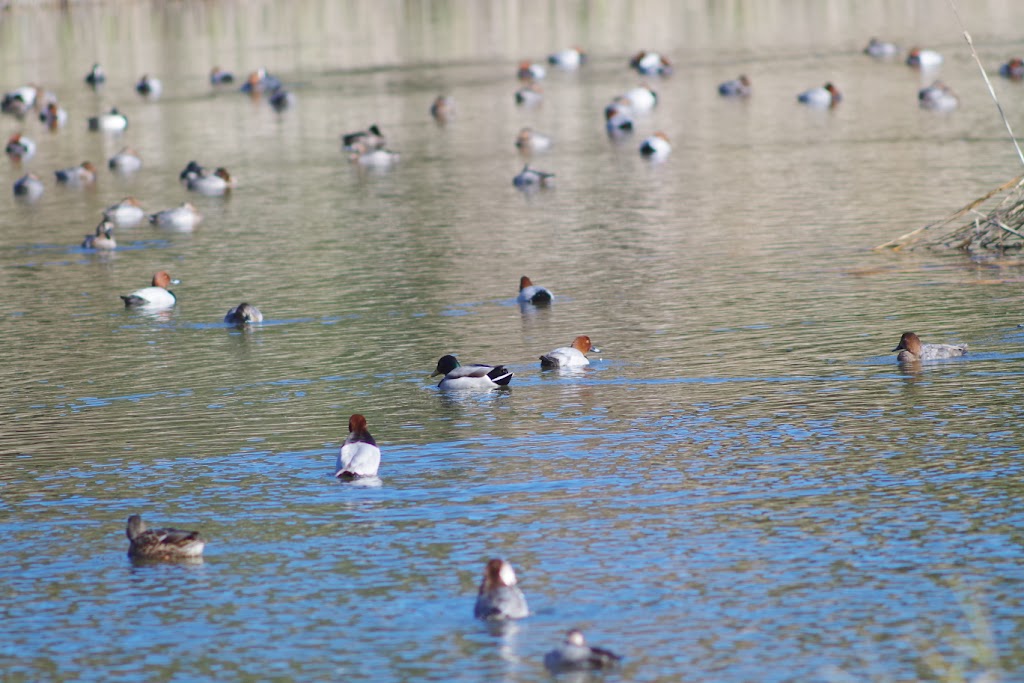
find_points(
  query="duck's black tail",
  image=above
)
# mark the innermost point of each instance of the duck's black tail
(501, 375)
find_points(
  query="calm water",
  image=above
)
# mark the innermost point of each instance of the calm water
(743, 486)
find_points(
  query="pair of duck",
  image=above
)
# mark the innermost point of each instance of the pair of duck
(478, 376)
(157, 297)
(499, 598)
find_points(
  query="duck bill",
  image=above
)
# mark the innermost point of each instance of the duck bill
(594, 349)
(435, 373)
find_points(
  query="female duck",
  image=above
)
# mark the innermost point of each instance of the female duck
(161, 544)
(499, 597)
(359, 456)
(184, 217)
(575, 655)
(243, 314)
(127, 213)
(103, 240)
(822, 98)
(572, 356)
(77, 176)
(911, 349)
(737, 87)
(530, 140)
(470, 377)
(530, 293)
(156, 296)
(443, 108)
(125, 162)
(881, 49)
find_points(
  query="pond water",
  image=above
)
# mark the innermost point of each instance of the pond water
(744, 485)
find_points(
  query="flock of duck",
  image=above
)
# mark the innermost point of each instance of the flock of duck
(499, 597)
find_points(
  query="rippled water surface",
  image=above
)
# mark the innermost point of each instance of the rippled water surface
(742, 486)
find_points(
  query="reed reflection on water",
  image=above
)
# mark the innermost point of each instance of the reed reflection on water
(742, 485)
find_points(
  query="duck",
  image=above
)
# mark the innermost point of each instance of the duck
(28, 187)
(281, 99)
(530, 95)
(219, 76)
(20, 147)
(19, 101)
(531, 72)
(111, 122)
(96, 76)
(211, 184)
(911, 349)
(375, 158)
(192, 170)
(362, 141)
(529, 140)
(162, 544)
(572, 356)
(499, 597)
(260, 81)
(443, 108)
(149, 87)
(575, 655)
(127, 213)
(125, 162)
(155, 296)
(77, 176)
(923, 59)
(823, 97)
(184, 218)
(656, 146)
(243, 314)
(359, 456)
(641, 99)
(938, 97)
(530, 293)
(460, 377)
(651, 64)
(737, 87)
(618, 118)
(53, 116)
(569, 59)
(103, 240)
(881, 49)
(529, 178)
(1013, 69)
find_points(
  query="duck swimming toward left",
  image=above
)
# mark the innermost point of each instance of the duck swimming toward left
(162, 544)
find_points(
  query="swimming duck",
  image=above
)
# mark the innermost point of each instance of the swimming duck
(499, 597)
(1013, 69)
(211, 184)
(376, 158)
(19, 101)
(96, 75)
(149, 86)
(655, 147)
(823, 97)
(127, 213)
(53, 116)
(443, 108)
(161, 544)
(192, 170)
(938, 97)
(260, 81)
(572, 356)
(651, 64)
(528, 179)
(219, 76)
(103, 240)
(243, 314)
(529, 140)
(282, 99)
(184, 218)
(530, 293)
(155, 296)
(575, 655)
(77, 176)
(20, 147)
(111, 122)
(881, 49)
(530, 95)
(618, 118)
(923, 59)
(911, 349)
(359, 456)
(569, 59)
(363, 141)
(531, 72)
(125, 162)
(641, 99)
(460, 377)
(737, 87)
(28, 187)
